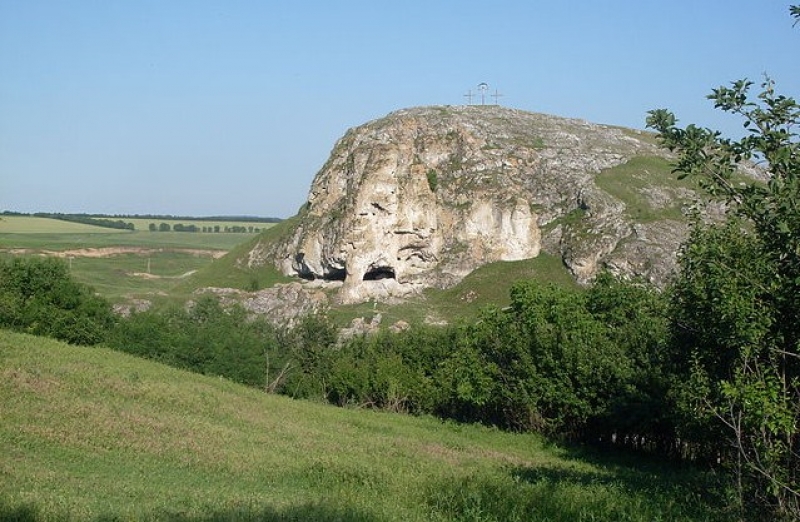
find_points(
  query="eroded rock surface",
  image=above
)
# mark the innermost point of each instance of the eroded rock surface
(282, 305)
(424, 196)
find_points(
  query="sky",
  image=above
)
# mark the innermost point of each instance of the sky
(230, 107)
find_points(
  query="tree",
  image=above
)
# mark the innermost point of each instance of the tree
(735, 306)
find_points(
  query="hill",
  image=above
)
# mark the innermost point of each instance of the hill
(91, 434)
(423, 196)
(408, 206)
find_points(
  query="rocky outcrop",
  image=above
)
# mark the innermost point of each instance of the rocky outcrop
(424, 196)
(282, 305)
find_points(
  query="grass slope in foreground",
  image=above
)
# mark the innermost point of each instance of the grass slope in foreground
(92, 434)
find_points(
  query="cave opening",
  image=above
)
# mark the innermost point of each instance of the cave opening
(381, 272)
(335, 274)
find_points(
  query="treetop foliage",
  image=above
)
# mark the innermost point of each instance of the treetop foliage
(734, 310)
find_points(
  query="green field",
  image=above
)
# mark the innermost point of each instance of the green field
(67, 241)
(120, 265)
(128, 276)
(92, 434)
(53, 234)
(38, 225)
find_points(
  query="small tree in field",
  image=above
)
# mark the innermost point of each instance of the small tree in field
(736, 304)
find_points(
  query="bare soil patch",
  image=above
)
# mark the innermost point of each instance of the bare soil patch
(116, 251)
(145, 275)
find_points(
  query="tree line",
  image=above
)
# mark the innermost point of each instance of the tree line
(222, 219)
(88, 220)
(180, 227)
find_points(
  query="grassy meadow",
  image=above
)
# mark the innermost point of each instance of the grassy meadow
(126, 276)
(92, 434)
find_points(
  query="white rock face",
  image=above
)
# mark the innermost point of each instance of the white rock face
(424, 196)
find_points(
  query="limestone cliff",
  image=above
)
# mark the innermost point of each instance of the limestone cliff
(423, 196)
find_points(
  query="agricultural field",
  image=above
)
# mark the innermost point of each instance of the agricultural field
(38, 225)
(93, 434)
(121, 264)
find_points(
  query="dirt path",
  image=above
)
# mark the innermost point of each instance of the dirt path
(116, 251)
(145, 275)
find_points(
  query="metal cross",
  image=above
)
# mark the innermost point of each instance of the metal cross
(496, 95)
(469, 96)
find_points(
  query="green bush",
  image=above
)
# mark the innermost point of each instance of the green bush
(581, 365)
(206, 338)
(38, 296)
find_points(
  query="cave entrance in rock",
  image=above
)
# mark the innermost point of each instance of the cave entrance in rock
(381, 272)
(336, 274)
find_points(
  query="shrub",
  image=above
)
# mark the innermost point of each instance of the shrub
(206, 338)
(38, 296)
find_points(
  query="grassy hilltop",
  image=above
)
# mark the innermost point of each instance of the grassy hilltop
(92, 434)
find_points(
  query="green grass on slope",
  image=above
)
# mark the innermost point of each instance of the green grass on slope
(91, 434)
(491, 284)
(648, 187)
(231, 270)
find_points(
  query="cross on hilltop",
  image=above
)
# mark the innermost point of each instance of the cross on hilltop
(483, 87)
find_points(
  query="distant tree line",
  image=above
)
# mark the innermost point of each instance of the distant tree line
(179, 227)
(222, 219)
(88, 220)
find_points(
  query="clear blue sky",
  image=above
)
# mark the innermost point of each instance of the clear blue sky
(231, 106)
